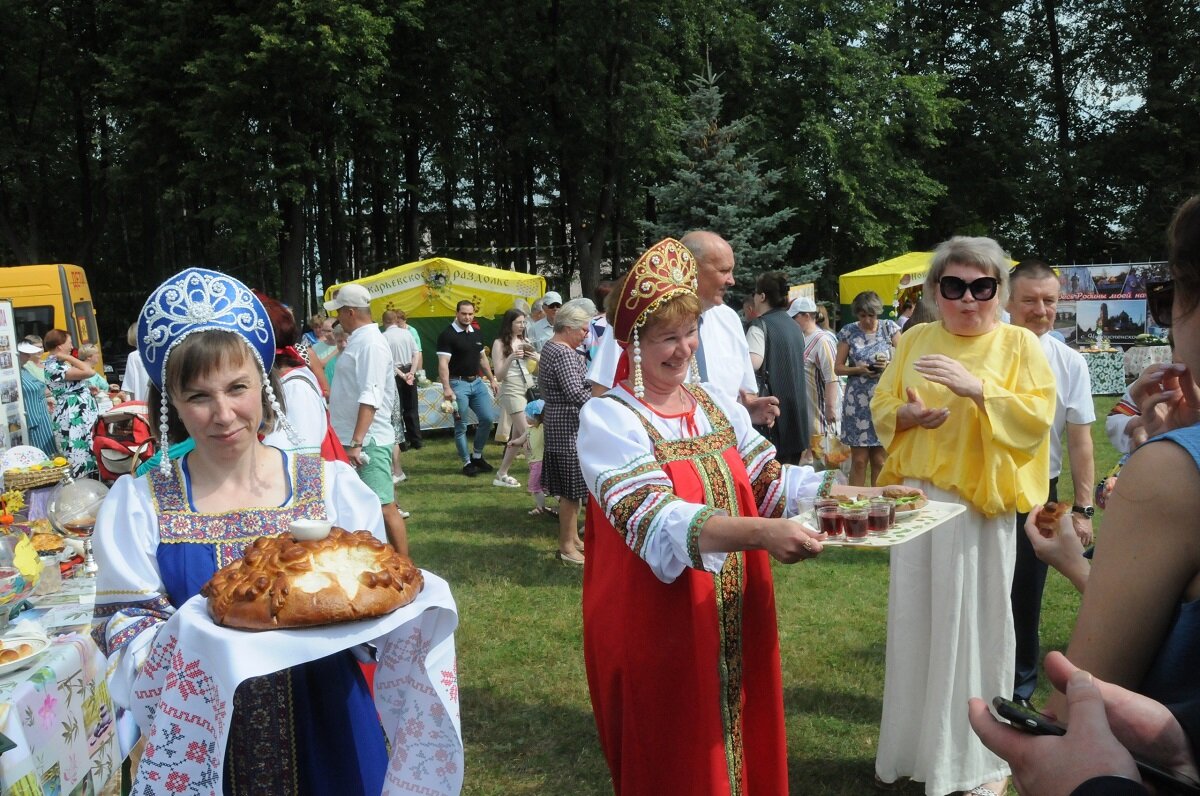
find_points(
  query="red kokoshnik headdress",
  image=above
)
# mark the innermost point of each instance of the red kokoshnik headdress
(667, 269)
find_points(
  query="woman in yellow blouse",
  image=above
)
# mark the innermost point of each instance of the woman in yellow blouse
(964, 413)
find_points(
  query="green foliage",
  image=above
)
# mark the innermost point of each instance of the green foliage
(717, 187)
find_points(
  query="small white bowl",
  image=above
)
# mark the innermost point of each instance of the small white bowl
(309, 530)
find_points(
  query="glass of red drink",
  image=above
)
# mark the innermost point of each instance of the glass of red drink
(854, 520)
(877, 517)
(829, 521)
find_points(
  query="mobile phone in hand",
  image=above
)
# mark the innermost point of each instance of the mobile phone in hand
(1030, 721)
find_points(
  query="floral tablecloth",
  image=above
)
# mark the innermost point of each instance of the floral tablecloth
(1107, 372)
(1140, 357)
(58, 711)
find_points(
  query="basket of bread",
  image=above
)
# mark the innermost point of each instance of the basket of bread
(34, 476)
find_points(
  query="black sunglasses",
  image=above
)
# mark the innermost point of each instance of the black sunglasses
(983, 289)
(1160, 295)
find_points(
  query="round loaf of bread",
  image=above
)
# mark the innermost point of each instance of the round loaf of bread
(280, 582)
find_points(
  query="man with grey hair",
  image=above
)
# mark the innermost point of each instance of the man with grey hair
(543, 329)
(361, 399)
(723, 356)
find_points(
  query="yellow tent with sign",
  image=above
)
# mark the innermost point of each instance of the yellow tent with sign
(429, 291)
(885, 278)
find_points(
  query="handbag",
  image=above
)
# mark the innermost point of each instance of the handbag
(531, 390)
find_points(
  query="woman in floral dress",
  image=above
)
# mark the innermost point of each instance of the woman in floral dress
(75, 411)
(864, 350)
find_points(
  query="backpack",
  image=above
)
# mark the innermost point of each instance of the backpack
(121, 439)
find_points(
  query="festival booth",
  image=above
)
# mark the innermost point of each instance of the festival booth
(885, 278)
(428, 292)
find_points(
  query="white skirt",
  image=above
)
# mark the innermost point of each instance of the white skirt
(949, 637)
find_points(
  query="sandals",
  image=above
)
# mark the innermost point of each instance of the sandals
(506, 480)
(566, 559)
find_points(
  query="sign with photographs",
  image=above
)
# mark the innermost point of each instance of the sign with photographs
(11, 405)
(1107, 301)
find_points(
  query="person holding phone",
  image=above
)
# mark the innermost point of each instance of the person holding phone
(512, 354)
(964, 411)
(863, 351)
(1096, 755)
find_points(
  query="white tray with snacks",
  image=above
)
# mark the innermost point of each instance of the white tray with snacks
(909, 524)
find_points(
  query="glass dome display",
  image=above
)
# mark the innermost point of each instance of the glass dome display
(72, 510)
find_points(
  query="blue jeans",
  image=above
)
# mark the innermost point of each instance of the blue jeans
(478, 396)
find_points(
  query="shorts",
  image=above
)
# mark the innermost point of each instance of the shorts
(377, 473)
(535, 478)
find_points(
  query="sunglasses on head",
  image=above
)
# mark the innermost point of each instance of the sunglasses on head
(1160, 295)
(983, 289)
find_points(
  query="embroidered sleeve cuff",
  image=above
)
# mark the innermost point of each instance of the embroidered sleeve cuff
(711, 562)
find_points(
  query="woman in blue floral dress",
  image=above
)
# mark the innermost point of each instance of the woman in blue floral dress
(75, 410)
(864, 350)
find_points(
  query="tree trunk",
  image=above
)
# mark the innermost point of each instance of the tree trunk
(1065, 198)
(291, 249)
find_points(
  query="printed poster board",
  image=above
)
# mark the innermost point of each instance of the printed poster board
(11, 405)
(1108, 299)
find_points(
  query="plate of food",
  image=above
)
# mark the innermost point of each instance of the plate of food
(18, 652)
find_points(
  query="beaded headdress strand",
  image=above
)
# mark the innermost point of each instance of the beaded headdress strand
(199, 300)
(667, 269)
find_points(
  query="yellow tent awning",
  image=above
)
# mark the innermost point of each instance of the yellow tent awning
(429, 291)
(432, 288)
(884, 278)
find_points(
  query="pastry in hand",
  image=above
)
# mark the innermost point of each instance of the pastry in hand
(1048, 517)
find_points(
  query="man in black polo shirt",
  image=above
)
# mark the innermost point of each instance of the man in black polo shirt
(460, 361)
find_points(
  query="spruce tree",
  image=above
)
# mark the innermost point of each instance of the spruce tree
(716, 187)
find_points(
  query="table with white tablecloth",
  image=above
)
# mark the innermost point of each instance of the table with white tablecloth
(58, 710)
(1140, 357)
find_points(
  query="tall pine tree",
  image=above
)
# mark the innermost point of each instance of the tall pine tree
(718, 188)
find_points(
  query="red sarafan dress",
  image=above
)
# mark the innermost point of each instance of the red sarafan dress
(682, 649)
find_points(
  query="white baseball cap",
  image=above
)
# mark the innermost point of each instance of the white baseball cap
(29, 348)
(552, 298)
(349, 296)
(801, 304)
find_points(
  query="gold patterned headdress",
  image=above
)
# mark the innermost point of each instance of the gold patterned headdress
(667, 269)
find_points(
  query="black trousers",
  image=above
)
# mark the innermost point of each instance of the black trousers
(410, 410)
(1029, 580)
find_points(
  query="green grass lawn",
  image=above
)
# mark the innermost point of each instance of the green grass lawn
(526, 718)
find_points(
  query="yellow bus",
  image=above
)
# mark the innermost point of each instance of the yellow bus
(46, 297)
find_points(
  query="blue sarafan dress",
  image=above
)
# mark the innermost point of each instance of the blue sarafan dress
(311, 729)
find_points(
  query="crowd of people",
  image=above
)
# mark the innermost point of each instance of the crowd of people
(689, 439)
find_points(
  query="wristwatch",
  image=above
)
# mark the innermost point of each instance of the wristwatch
(1086, 511)
(354, 444)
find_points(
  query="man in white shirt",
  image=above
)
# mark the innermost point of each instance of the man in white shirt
(542, 329)
(136, 381)
(361, 399)
(723, 355)
(1032, 303)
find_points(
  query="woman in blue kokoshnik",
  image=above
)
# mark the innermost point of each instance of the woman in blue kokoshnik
(208, 345)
